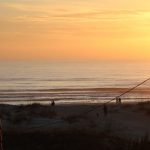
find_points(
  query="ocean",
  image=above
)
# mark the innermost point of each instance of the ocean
(72, 82)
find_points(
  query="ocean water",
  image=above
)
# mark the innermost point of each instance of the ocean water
(71, 82)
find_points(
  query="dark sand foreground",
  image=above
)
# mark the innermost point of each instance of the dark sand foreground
(63, 127)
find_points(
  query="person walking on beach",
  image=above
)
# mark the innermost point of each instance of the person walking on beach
(53, 103)
(119, 100)
(105, 109)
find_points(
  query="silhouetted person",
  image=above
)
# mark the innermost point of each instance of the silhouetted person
(105, 109)
(119, 100)
(53, 103)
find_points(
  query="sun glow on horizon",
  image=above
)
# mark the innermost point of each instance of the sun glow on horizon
(74, 30)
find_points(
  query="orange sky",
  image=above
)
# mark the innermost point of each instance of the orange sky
(74, 30)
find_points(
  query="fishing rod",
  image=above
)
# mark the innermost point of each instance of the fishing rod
(131, 89)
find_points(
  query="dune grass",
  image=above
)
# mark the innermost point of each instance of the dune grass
(71, 140)
(25, 113)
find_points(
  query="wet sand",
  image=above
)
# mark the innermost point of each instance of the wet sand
(71, 95)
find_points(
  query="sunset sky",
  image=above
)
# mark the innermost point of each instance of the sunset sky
(74, 29)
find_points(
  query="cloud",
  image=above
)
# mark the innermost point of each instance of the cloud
(21, 7)
(41, 12)
(36, 19)
(65, 10)
(98, 13)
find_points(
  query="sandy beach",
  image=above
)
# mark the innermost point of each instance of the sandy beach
(23, 122)
(127, 120)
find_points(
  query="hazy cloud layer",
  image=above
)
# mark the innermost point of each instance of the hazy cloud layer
(77, 25)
